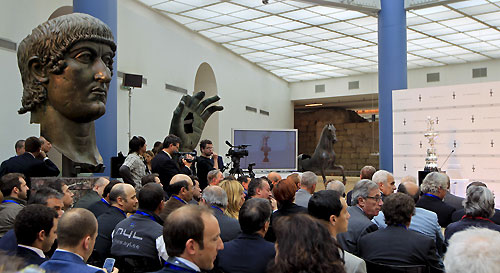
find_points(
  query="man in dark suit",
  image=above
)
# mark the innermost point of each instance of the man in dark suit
(93, 195)
(164, 164)
(102, 205)
(33, 163)
(76, 234)
(182, 191)
(216, 198)
(35, 229)
(396, 245)
(249, 252)
(434, 188)
(367, 202)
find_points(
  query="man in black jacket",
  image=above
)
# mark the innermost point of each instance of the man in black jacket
(434, 189)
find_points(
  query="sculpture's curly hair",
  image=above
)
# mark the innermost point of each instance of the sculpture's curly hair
(49, 42)
(305, 245)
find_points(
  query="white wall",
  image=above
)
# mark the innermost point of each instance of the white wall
(17, 19)
(166, 52)
(417, 78)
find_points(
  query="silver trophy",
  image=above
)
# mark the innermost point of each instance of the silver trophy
(431, 158)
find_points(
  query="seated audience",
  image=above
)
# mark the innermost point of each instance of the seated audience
(367, 201)
(93, 195)
(76, 235)
(297, 252)
(214, 177)
(150, 178)
(133, 168)
(15, 192)
(385, 182)
(244, 180)
(143, 251)
(434, 189)
(337, 186)
(474, 250)
(249, 252)
(451, 199)
(101, 206)
(295, 177)
(123, 200)
(307, 187)
(331, 210)
(458, 214)
(191, 235)
(181, 192)
(424, 221)
(284, 192)
(479, 207)
(235, 197)
(216, 199)
(259, 188)
(409, 178)
(43, 196)
(365, 173)
(60, 186)
(396, 245)
(35, 230)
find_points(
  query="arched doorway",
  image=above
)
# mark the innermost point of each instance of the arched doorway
(205, 81)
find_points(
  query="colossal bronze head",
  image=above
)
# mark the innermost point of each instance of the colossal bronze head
(66, 66)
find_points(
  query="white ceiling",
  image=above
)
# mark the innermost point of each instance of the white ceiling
(302, 41)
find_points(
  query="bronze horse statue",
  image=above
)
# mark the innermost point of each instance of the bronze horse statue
(323, 159)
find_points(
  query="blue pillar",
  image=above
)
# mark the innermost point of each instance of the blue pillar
(392, 71)
(106, 126)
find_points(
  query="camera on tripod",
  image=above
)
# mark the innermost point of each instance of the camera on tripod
(236, 153)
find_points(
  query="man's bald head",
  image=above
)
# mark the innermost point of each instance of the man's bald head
(74, 226)
(180, 177)
(411, 189)
(100, 184)
(274, 177)
(367, 172)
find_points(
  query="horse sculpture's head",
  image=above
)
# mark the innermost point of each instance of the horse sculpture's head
(332, 136)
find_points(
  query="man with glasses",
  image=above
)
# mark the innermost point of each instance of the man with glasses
(366, 204)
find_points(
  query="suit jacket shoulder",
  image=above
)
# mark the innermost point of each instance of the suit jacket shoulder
(358, 226)
(246, 254)
(67, 262)
(302, 198)
(229, 227)
(353, 264)
(443, 211)
(171, 205)
(453, 201)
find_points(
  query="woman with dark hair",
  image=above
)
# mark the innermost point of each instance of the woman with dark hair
(303, 244)
(148, 156)
(284, 193)
(133, 169)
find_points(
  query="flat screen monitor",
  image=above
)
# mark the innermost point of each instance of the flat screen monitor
(273, 150)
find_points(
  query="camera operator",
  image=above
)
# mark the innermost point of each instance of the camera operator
(165, 164)
(207, 161)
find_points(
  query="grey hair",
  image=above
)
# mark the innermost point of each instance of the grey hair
(337, 186)
(381, 176)
(479, 202)
(101, 181)
(433, 181)
(474, 250)
(212, 174)
(215, 196)
(362, 189)
(308, 179)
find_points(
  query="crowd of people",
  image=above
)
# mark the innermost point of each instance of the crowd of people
(175, 214)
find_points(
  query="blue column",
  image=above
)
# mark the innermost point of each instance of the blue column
(392, 71)
(106, 126)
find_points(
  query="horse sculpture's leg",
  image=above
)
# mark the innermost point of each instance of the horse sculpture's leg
(323, 175)
(341, 168)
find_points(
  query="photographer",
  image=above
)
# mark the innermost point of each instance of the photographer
(164, 163)
(207, 161)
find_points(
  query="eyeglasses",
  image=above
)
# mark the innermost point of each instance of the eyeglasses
(376, 197)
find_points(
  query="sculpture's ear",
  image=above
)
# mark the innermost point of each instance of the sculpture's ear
(37, 70)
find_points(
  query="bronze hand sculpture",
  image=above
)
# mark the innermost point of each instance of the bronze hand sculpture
(190, 117)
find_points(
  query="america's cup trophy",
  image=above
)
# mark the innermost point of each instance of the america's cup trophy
(431, 159)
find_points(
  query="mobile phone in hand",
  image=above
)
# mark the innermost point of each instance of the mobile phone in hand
(109, 263)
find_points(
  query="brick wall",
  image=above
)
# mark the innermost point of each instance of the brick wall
(357, 138)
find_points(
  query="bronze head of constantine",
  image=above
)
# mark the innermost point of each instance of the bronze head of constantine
(66, 66)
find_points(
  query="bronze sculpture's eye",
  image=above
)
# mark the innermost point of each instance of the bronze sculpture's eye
(84, 56)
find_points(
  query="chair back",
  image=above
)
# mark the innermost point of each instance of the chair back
(372, 267)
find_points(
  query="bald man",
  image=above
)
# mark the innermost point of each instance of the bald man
(424, 221)
(181, 190)
(274, 177)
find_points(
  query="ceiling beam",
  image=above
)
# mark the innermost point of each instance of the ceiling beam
(422, 4)
(367, 6)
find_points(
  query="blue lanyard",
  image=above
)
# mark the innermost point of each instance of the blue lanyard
(10, 201)
(122, 212)
(432, 195)
(401, 225)
(178, 268)
(182, 201)
(105, 202)
(146, 214)
(217, 208)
